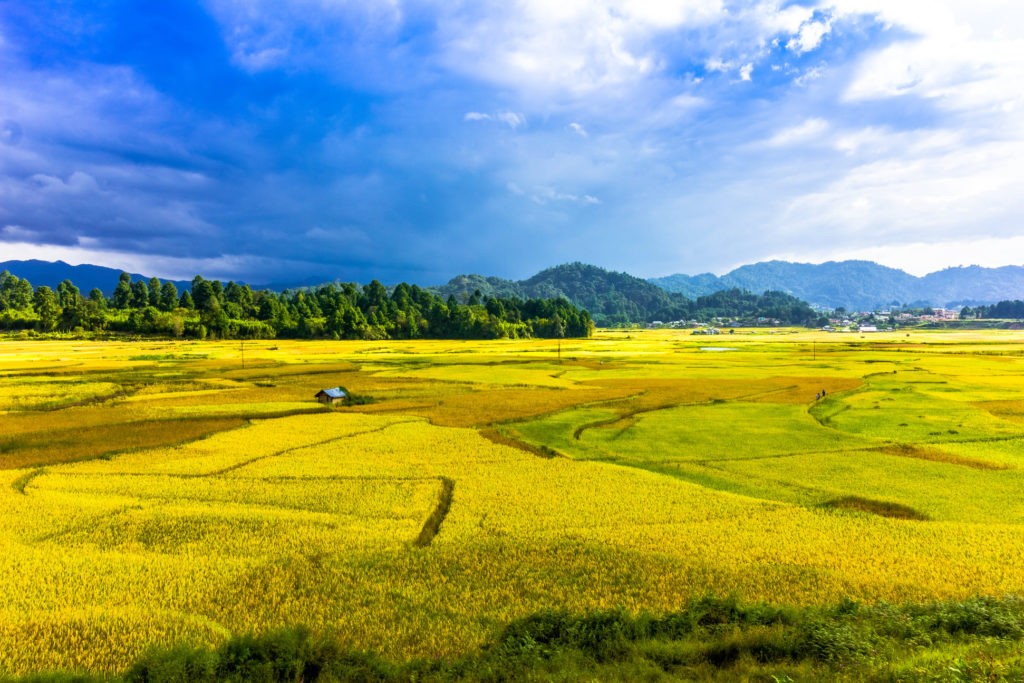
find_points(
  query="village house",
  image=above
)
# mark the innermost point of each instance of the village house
(331, 396)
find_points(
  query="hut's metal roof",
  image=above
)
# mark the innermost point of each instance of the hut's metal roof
(336, 392)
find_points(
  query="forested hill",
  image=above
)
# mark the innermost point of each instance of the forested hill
(619, 298)
(860, 285)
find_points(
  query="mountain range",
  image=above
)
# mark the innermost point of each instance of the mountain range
(854, 285)
(860, 285)
(86, 277)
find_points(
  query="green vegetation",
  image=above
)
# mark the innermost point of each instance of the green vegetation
(558, 302)
(1002, 310)
(522, 510)
(342, 311)
(894, 444)
(620, 299)
(710, 639)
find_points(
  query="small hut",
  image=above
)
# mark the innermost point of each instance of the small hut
(332, 396)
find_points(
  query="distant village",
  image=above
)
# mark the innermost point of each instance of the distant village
(885, 320)
(831, 321)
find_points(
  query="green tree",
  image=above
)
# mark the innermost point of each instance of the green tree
(67, 294)
(96, 296)
(241, 296)
(69, 299)
(155, 290)
(122, 298)
(15, 292)
(140, 294)
(168, 296)
(47, 309)
(203, 295)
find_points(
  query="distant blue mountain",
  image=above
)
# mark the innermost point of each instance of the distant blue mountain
(860, 285)
(85, 277)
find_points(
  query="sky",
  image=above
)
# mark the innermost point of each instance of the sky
(415, 140)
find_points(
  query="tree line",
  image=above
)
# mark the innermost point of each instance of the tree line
(210, 308)
(1002, 310)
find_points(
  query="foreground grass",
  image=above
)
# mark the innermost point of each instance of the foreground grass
(711, 639)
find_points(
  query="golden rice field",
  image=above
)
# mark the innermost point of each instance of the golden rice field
(181, 492)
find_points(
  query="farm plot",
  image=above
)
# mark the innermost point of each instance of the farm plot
(406, 527)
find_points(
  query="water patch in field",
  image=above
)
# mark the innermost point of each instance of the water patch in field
(718, 348)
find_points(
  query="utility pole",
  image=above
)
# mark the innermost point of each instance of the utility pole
(242, 344)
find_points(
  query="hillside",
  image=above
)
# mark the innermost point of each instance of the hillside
(618, 298)
(610, 297)
(85, 277)
(860, 285)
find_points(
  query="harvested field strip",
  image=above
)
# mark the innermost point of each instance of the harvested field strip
(62, 404)
(936, 455)
(876, 507)
(21, 482)
(433, 524)
(631, 413)
(373, 497)
(106, 441)
(313, 444)
(497, 437)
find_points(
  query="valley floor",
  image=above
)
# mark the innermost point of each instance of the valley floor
(183, 493)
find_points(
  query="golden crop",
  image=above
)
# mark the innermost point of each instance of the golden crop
(667, 488)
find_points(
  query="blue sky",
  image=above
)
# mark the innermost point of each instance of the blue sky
(416, 140)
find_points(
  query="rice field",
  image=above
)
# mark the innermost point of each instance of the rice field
(160, 493)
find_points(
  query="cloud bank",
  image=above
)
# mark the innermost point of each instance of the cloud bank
(416, 140)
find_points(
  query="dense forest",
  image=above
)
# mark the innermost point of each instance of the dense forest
(1003, 310)
(340, 311)
(622, 299)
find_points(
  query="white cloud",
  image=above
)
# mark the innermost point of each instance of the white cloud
(578, 129)
(809, 131)
(810, 36)
(926, 187)
(510, 118)
(513, 119)
(77, 183)
(745, 71)
(963, 55)
(265, 34)
(17, 233)
(543, 195)
(716, 64)
(921, 258)
(573, 47)
(812, 74)
(773, 18)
